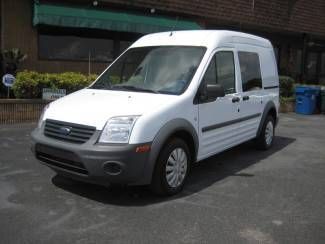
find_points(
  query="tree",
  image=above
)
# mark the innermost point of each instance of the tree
(11, 59)
(9, 63)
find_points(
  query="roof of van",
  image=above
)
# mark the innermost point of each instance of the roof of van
(206, 38)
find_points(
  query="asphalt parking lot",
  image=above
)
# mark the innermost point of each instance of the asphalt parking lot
(239, 196)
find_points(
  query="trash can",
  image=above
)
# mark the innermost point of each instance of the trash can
(306, 98)
(322, 100)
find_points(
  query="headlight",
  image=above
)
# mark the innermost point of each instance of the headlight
(40, 121)
(118, 129)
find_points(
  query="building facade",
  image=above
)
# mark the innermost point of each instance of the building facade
(86, 35)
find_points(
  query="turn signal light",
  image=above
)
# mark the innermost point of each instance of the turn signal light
(142, 149)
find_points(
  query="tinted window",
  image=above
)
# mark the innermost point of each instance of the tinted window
(75, 48)
(226, 71)
(250, 71)
(80, 45)
(210, 74)
(221, 71)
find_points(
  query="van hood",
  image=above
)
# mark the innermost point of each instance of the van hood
(94, 107)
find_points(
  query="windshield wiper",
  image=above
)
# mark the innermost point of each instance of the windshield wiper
(133, 88)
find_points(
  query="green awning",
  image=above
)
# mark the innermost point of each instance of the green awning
(56, 15)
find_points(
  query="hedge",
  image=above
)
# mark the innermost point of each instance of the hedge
(29, 84)
(287, 99)
(286, 86)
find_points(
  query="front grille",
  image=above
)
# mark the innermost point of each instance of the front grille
(70, 132)
(60, 158)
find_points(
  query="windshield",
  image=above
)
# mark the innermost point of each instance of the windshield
(160, 69)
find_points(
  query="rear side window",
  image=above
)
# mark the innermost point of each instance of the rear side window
(221, 71)
(250, 71)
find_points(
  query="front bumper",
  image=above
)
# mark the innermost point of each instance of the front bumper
(92, 162)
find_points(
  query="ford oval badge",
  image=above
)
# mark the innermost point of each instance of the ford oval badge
(65, 130)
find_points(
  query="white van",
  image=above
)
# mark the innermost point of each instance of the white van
(171, 99)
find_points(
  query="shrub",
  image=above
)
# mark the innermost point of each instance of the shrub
(29, 84)
(286, 86)
(284, 100)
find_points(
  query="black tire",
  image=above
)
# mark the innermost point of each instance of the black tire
(159, 184)
(261, 142)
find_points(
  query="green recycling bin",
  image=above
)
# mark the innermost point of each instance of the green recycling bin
(322, 101)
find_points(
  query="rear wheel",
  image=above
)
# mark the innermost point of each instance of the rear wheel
(265, 140)
(172, 168)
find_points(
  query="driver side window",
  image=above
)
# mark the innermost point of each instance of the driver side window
(221, 71)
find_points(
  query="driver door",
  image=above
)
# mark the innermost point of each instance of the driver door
(218, 129)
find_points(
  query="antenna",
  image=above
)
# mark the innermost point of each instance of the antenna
(89, 62)
(174, 26)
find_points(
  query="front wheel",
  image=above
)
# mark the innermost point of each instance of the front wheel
(172, 168)
(265, 140)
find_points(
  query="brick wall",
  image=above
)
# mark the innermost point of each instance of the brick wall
(302, 16)
(271, 16)
(19, 32)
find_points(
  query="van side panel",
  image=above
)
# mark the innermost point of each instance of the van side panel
(268, 67)
(270, 77)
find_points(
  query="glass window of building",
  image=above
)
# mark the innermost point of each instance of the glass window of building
(311, 65)
(78, 44)
(297, 61)
(60, 47)
(322, 67)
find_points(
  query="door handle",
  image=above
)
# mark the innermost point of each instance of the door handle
(235, 100)
(245, 98)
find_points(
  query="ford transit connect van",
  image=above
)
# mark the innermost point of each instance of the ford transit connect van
(170, 100)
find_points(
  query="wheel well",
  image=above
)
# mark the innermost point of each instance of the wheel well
(188, 139)
(272, 112)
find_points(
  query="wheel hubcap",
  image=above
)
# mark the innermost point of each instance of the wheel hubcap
(176, 167)
(269, 133)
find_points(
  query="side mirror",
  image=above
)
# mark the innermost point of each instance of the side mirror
(215, 91)
(211, 92)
